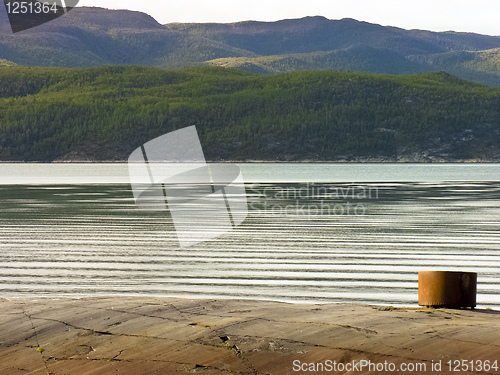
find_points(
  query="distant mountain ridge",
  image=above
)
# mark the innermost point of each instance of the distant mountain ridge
(94, 36)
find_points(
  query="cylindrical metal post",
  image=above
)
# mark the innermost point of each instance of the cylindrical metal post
(447, 289)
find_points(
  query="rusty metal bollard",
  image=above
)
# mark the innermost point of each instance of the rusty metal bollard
(447, 289)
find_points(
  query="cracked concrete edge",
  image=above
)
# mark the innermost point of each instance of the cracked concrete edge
(190, 312)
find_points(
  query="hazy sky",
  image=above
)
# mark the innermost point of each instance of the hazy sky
(481, 16)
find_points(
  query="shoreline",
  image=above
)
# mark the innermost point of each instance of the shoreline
(298, 302)
(148, 335)
(367, 161)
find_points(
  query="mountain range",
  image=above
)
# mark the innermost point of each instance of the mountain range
(88, 37)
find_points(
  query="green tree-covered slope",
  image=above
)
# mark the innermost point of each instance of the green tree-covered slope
(4, 62)
(105, 113)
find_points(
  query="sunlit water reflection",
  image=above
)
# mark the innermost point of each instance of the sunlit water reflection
(76, 240)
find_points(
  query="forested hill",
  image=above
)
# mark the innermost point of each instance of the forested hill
(87, 37)
(104, 113)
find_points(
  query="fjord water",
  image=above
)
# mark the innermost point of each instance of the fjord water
(314, 233)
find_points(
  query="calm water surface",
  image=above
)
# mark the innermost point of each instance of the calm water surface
(315, 233)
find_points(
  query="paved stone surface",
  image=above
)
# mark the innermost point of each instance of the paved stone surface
(139, 335)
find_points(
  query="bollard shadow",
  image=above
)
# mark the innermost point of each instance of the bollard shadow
(485, 311)
(480, 311)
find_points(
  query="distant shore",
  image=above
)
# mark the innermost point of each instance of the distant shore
(342, 161)
(144, 335)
